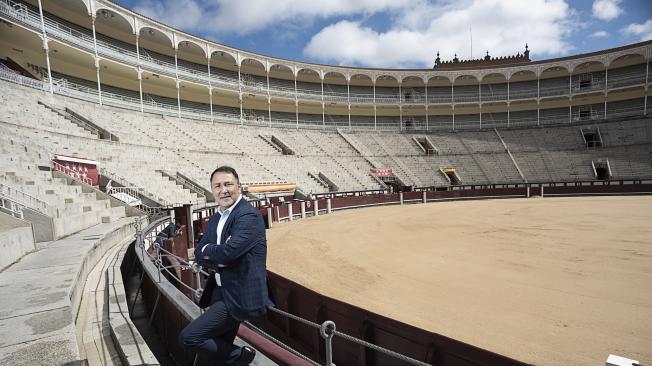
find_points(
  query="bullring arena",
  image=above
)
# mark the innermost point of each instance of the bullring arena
(554, 281)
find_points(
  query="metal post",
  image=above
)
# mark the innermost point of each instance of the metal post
(328, 205)
(606, 76)
(453, 102)
(538, 100)
(400, 195)
(290, 213)
(97, 61)
(176, 76)
(400, 108)
(269, 98)
(348, 98)
(140, 74)
(570, 97)
(159, 260)
(323, 107)
(315, 207)
(375, 113)
(99, 85)
(296, 98)
(508, 103)
(270, 218)
(427, 124)
(303, 209)
(210, 86)
(46, 47)
(327, 330)
(647, 71)
(423, 197)
(240, 88)
(480, 101)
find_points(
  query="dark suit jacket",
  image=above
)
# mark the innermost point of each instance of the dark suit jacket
(243, 252)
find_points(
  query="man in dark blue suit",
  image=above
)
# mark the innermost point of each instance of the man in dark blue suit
(235, 248)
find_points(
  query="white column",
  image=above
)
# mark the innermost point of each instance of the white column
(570, 98)
(210, 86)
(210, 101)
(453, 102)
(538, 99)
(480, 115)
(509, 104)
(426, 87)
(140, 74)
(606, 76)
(97, 61)
(97, 74)
(296, 98)
(348, 99)
(375, 112)
(140, 90)
(176, 77)
(269, 98)
(400, 107)
(46, 48)
(647, 70)
(323, 107)
(480, 101)
(240, 89)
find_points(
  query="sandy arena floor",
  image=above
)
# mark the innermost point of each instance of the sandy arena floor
(553, 281)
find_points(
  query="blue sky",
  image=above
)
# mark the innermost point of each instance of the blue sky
(406, 33)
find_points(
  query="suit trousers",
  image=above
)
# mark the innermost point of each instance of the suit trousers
(211, 335)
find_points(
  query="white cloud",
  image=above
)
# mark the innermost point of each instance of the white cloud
(182, 14)
(243, 17)
(502, 27)
(599, 34)
(607, 9)
(642, 31)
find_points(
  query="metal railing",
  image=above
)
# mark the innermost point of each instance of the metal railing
(11, 207)
(23, 199)
(72, 173)
(67, 88)
(150, 249)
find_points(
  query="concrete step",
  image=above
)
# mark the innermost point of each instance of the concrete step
(112, 214)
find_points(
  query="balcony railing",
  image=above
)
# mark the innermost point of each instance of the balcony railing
(71, 89)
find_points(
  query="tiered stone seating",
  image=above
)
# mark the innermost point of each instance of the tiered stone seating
(194, 148)
(69, 207)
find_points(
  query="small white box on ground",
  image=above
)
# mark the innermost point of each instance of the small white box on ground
(614, 360)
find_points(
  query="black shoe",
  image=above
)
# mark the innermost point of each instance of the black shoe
(246, 356)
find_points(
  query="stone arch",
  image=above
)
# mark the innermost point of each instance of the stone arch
(625, 58)
(588, 66)
(115, 17)
(155, 34)
(413, 80)
(335, 77)
(387, 80)
(309, 74)
(360, 79)
(223, 55)
(191, 45)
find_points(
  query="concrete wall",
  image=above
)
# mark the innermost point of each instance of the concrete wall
(16, 239)
(42, 224)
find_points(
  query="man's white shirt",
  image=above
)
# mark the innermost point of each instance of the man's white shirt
(220, 227)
